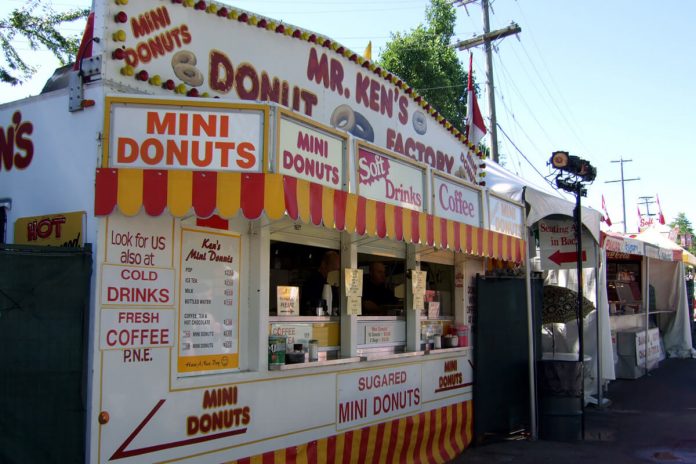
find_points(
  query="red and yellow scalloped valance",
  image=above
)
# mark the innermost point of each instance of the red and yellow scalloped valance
(275, 195)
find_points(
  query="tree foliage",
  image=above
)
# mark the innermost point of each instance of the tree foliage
(683, 225)
(38, 24)
(423, 58)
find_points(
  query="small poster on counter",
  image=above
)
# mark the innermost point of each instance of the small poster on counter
(354, 305)
(288, 301)
(354, 282)
(434, 309)
(209, 302)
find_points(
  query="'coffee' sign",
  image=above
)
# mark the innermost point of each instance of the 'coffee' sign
(456, 201)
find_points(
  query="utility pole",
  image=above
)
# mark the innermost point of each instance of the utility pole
(647, 202)
(486, 39)
(623, 190)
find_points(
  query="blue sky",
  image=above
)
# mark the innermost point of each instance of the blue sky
(602, 80)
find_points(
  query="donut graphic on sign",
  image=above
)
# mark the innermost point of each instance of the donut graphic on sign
(184, 66)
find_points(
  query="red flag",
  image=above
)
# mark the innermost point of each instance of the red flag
(661, 217)
(85, 50)
(605, 218)
(475, 127)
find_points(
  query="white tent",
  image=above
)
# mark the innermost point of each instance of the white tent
(543, 201)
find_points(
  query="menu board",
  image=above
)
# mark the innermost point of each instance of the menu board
(209, 302)
(354, 283)
(418, 285)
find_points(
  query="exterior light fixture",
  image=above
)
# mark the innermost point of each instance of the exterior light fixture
(573, 165)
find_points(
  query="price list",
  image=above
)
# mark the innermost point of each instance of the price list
(209, 301)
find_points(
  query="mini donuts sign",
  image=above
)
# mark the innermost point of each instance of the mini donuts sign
(212, 50)
(159, 135)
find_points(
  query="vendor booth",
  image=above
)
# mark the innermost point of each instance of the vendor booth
(647, 300)
(284, 237)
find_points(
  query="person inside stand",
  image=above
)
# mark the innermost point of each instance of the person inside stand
(376, 294)
(311, 292)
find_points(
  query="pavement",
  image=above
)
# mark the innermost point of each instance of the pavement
(651, 419)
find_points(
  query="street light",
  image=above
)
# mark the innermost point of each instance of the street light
(574, 172)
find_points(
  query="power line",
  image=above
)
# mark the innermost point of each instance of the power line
(530, 163)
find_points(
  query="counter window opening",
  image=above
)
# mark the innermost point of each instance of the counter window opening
(384, 285)
(439, 290)
(300, 277)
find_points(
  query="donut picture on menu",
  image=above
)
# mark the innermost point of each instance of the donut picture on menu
(349, 120)
(184, 66)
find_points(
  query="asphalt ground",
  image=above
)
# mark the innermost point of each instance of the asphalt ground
(651, 419)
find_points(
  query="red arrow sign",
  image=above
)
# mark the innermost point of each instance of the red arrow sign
(121, 452)
(569, 257)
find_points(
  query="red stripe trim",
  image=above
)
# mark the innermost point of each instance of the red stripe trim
(443, 232)
(360, 219)
(155, 191)
(407, 437)
(290, 189)
(398, 223)
(204, 193)
(244, 461)
(315, 194)
(290, 455)
(429, 451)
(269, 457)
(415, 226)
(106, 191)
(500, 246)
(251, 195)
(430, 226)
(420, 435)
(394, 437)
(380, 220)
(312, 452)
(469, 238)
(347, 447)
(331, 449)
(443, 437)
(214, 222)
(340, 200)
(452, 417)
(457, 241)
(378, 442)
(479, 250)
(364, 438)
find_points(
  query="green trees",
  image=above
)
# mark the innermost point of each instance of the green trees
(424, 59)
(39, 25)
(683, 225)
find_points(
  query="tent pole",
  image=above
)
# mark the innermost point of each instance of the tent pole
(597, 322)
(531, 344)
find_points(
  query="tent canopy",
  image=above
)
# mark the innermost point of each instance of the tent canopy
(543, 200)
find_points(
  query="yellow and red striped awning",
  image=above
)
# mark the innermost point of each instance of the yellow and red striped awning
(225, 194)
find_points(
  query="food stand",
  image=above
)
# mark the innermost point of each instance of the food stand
(213, 177)
(647, 301)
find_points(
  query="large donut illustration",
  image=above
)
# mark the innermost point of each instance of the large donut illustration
(362, 128)
(184, 57)
(184, 66)
(420, 123)
(343, 117)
